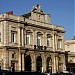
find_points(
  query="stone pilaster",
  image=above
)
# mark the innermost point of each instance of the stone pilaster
(18, 36)
(56, 60)
(44, 64)
(34, 38)
(6, 33)
(22, 37)
(2, 32)
(22, 61)
(19, 63)
(33, 63)
(5, 58)
(53, 64)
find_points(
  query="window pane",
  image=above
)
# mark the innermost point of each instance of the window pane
(59, 44)
(38, 40)
(49, 42)
(28, 39)
(12, 37)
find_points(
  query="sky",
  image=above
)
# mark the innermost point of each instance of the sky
(61, 11)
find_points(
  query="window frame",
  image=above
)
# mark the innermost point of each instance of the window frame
(27, 39)
(38, 40)
(49, 39)
(59, 43)
(13, 36)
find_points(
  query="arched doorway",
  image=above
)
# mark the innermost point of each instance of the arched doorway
(39, 64)
(28, 63)
(49, 64)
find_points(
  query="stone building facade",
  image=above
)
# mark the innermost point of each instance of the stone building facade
(31, 43)
(70, 49)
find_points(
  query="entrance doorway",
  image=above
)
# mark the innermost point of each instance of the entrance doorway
(28, 63)
(39, 64)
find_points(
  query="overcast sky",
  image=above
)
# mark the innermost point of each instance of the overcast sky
(61, 11)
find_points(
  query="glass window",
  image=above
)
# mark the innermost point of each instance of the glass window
(27, 39)
(38, 40)
(49, 41)
(0, 36)
(12, 37)
(59, 43)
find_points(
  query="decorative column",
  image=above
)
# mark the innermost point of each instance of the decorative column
(53, 64)
(22, 61)
(19, 63)
(44, 64)
(43, 39)
(55, 41)
(5, 58)
(6, 33)
(2, 32)
(22, 37)
(34, 38)
(56, 59)
(18, 36)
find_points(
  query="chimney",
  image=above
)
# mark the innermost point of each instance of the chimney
(9, 13)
